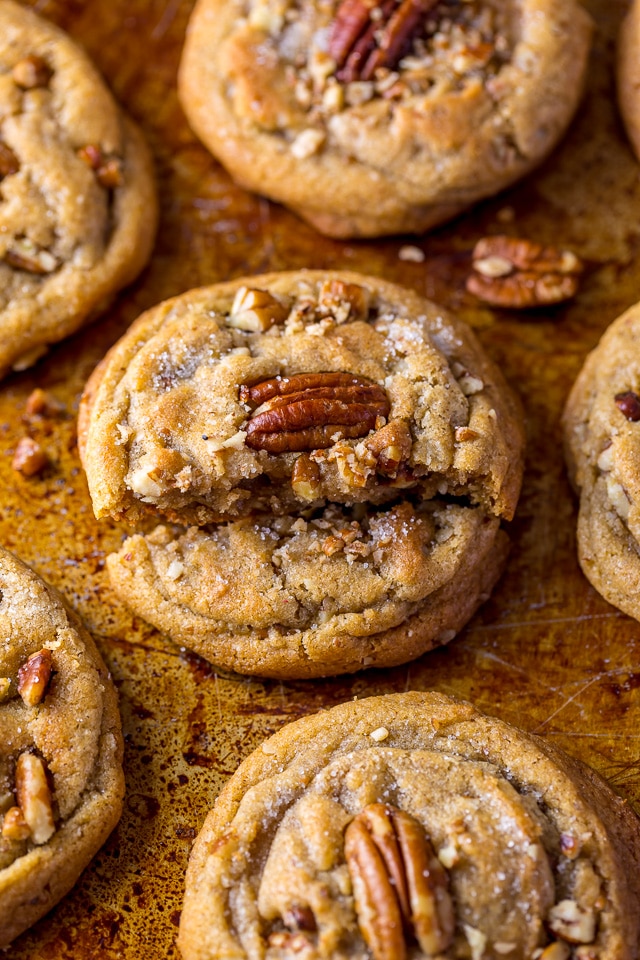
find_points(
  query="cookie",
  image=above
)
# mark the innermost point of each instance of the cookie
(61, 780)
(602, 443)
(413, 825)
(343, 452)
(628, 74)
(282, 391)
(78, 207)
(370, 120)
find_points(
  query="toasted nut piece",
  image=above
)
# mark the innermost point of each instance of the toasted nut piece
(42, 404)
(628, 403)
(300, 916)
(556, 951)
(346, 301)
(14, 825)
(305, 478)
(256, 310)
(397, 875)
(9, 163)
(29, 457)
(108, 170)
(32, 72)
(25, 255)
(310, 411)
(5, 689)
(511, 272)
(391, 446)
(570, 846)
(571, 922)
(34, 797)
(34, 676)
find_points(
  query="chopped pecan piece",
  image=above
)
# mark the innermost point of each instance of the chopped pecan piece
(9, 163)
(34, 677)
(398, 883)
(573, 923)
(42, 404)
(256, 310)
(510, 272)
(25, 255)
(14, 825)
(391, 446)
(32, 72)
(29, 457)
(310, 411)
(367, 36)
(344, 300)
(34, 797)
(108, 170)
(305, 478)
(5, 689)
(628, 403)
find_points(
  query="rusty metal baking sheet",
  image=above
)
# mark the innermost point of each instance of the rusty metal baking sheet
(545, 652)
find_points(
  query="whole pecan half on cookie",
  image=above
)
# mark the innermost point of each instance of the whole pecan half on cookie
(399, 885)
(310, 411)
(367, 36)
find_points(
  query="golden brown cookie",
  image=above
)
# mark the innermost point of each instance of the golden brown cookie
(77, 200)
(355, 446)
(628, 73)
(369, 120)
(411, 825)
(602, 442)
(61, 780)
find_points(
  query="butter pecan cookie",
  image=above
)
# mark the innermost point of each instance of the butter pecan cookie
(351, 441)
(411, 825)
(77, 200)
(280, 392)
(61, 781)
(369, 119)
(602, 441)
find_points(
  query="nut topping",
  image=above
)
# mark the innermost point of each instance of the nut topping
(9, 163)
(108, 170)
(508, 272)
(346, 301)
(573, 923)
(305, 478)
(256, 310)
(398, 883)
(367, 36)
(34, 676)
(628, 403)
(32, 72)
(25, 255)
(29, 457)
(311, 411)
(14, 825)
(391, 446)
(34, 797)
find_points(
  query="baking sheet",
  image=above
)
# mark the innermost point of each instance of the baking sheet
(545, 652)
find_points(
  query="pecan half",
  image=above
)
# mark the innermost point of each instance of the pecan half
(310, 411)
(511, 272)
(366, 35)
(34, 676)
(9, 163)
(398, 883)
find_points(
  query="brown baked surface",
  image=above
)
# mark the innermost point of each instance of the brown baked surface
(74, 729)
(71, 234)
(603, 454)
(482, 95)
(523, 831)
(628, 73)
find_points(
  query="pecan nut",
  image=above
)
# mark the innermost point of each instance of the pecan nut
(628, 403)
(9, 163)
(256, 310)
(29, 458)
(34, 797)
(311, 411)
(32, 72)
(391, 446)
(400, 887)
(511, 272)
(367, 36)
(34, 676)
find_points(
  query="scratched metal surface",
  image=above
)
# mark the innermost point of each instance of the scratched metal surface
(545, 652)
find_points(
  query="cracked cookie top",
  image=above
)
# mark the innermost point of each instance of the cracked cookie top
(412, 825)
(61, 782)
(77, 202)
(278, 393)
(370, 118)
(602, 444)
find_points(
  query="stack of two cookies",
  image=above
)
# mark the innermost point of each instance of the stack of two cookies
(331, 456)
